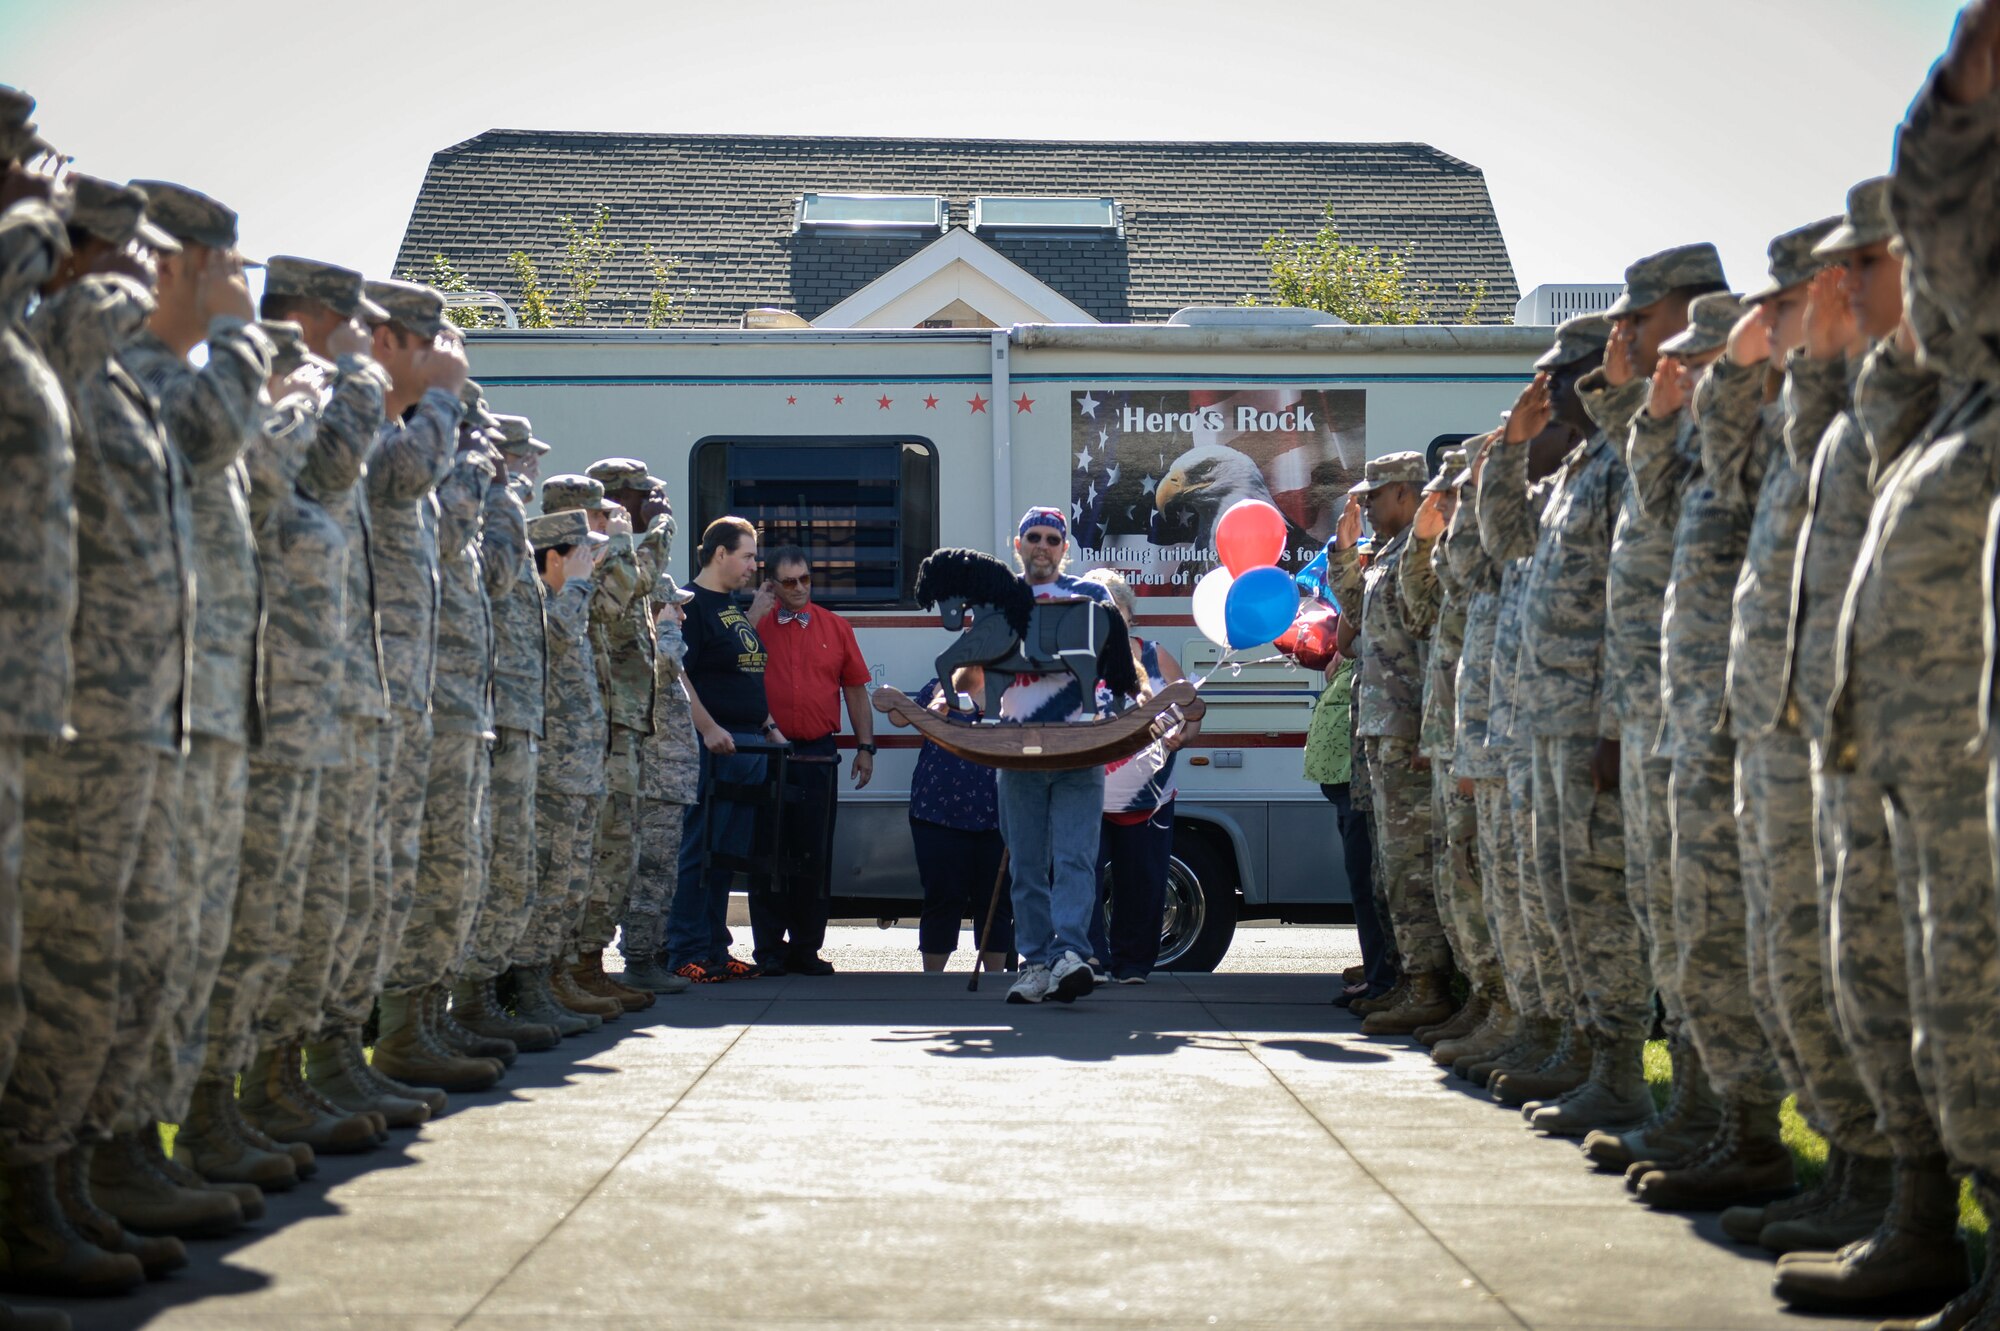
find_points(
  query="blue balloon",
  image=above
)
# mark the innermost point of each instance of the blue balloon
(1262, 603)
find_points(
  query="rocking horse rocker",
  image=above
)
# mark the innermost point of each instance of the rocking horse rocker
(1005, 630)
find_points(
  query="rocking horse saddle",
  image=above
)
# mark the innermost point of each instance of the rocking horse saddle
(1050, 746)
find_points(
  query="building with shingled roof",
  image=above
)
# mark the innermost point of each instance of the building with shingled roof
(884, 232)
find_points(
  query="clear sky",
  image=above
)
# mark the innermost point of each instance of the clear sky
(1606, 128)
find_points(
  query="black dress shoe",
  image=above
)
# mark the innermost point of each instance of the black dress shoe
(808, 966)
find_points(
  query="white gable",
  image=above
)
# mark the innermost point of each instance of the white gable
(954, 274)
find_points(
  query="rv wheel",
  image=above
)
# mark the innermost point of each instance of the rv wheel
(1200, 918)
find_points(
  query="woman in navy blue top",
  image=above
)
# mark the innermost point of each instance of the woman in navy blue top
(955, 829)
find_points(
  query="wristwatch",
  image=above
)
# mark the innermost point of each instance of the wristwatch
(868, 749)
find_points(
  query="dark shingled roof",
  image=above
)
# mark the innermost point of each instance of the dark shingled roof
(1195, 214)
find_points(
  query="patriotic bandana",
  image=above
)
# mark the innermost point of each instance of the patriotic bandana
(1044, 517)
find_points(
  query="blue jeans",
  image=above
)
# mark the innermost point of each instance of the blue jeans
(1132, 880)
(698, 918)
(1049, 821)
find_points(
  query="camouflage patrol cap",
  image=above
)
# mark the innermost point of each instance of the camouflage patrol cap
(572, 491)
(1866, 221)
(115, 214)
(416, 307)
(1392, 469)
(1450, 464)
(517, 437)
(1710, 318)
(1792, 259)
(19, 139)
(190, 216)
(290, 340)
(669, 590)
(337, 288)
(1576, 339)
(546, 531)
(623, 474)
(473, 398)
(1648, 280)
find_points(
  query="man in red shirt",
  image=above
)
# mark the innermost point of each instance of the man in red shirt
(811, 662)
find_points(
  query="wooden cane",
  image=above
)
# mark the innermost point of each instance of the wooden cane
(992, 909)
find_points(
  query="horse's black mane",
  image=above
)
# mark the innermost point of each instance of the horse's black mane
(1120, 670)
(980, 579)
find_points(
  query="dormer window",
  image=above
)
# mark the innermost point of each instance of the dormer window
(1047, 213)
(910, 213)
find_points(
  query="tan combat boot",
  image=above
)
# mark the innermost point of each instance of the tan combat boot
(271, 1103)
(249, 1197)
(591, 977)
(1692, 1115)
(157, 1253)
(1749, 1165)
(562, 983)
(535, 1001)
(1746, 1224)
(1615, 1092)
(1914, 1258)
(1469, 1017)
(1500, 1027)
(476, 1006)
(446, 1029)
(44, 1252)
(1425, 1003)
(405, 1051)
(337, 1072)
(209, 1143)
(124, 1183)
(1528, 1050)
(367, 1075)
(1390, 997)
(1563, 1070)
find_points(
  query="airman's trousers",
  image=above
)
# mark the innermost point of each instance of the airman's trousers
(13, 773)
(508, 813)
(643, 931)
(278, 820)
(617, 855)
(1403, 831)
(215, 783)
(1645, 796)
(1603, 948)
(449, 862)
(353, 981)
(404, 814)
(1499, 876)
(1455, 868)
(297, 1008)
(565, 841)
(1545, 957)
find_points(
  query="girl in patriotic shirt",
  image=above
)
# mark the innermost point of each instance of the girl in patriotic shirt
(1136, 836)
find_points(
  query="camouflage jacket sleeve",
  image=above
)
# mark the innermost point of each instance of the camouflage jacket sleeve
(1418, 589)
(1343, 569)
(1657, 466)
(461, 497)
(348, 424)
(1472, 570)
(272, 460)
(1893, 398)
(1944, 196)
(32, 242)
(503, 541)
(210, 413)
(1816, 392)
(1729, 398)
(1509, 525)
(1614, 409)
(569, 609)
(617, 581)
(410, 458)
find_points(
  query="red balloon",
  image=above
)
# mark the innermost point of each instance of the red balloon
(1251, 534)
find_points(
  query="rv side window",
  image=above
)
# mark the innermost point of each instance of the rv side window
(864, 509)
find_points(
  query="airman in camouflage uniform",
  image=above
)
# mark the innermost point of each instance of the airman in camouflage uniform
(1655, 308)
(1774, 786)
(669, 778)
(570, 781)
(1727, 998)
(520, 675)
(1389, 703)
(623, 639)
(1914, 678)
(99, 811)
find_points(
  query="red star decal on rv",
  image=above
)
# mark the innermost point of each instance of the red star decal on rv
(882, 402)
(791, 399)
(930, 402)
(838, 399)
(977, 403)
(1024, 403)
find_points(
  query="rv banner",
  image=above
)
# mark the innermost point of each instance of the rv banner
(1151, 471)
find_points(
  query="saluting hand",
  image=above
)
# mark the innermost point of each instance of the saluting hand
(1430, 519)
(1533, 410)
(1830, 324)
(1347, 530)
(1972, 61)
(1665, 397)
(1621, 360)
(1750, 339)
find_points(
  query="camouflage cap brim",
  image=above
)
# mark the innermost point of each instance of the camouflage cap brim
(154, 238)
(1691, 341)
(1444, 480)
(1849, 237)
(371, 313)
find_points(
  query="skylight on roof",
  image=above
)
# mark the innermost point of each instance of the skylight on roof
(1045, 212)
(876, 211)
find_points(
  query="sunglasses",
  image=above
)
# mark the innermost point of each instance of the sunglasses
(803, 580)
(1037, 538)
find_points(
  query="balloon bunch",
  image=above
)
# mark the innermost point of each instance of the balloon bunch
(1249, 599)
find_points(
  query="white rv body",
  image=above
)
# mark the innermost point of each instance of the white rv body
(1001, 411)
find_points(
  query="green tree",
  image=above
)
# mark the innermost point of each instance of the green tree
(445, 276)
(582, 263)
(663, 304)
(1361, 285)
(536, 309)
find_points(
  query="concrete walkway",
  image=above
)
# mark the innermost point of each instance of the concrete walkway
(889, 1150)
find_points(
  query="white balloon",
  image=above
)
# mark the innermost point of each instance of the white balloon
(1210, 596)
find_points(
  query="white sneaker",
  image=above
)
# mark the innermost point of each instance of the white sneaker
(1133, 979)
(1033, 986)
(1073, 978)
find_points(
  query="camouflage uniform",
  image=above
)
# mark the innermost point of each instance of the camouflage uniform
(1726, 999)
(98, 811)
(1868, 969)
(450, 863)
(669, 774)
(38, 557)
(210, 415)
(570, 780)
(520, 675)
(1566, 523)
(303, 475)
(1526, 918)
(1388, 701)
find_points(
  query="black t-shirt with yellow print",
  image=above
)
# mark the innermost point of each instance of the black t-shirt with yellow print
(725, 660)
